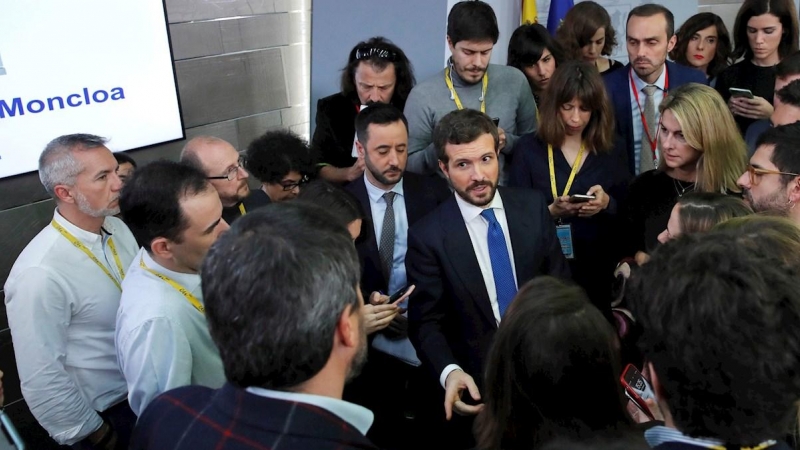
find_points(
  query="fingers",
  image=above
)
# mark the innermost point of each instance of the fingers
(376, 298)
(405, 296)
(464, 409)
(473, 388)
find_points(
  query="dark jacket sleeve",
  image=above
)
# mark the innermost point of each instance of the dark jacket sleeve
(426, 308)
(520, 171)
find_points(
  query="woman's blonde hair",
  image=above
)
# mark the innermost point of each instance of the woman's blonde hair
(709, 128)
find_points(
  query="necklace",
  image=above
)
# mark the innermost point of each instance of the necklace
(680, 189)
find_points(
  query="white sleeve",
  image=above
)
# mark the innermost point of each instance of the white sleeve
(155, 357)
(39, 313)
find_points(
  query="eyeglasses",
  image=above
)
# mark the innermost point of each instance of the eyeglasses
(292, 185)
(231, 174)
(755, 174)
(369, 52)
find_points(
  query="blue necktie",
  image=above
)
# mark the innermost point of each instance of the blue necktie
(501, 262)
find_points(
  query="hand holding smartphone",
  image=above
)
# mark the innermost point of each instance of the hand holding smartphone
(637, 389)
(737, 92)
(578, 198)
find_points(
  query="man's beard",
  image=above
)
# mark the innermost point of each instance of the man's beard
(775, 204)
(381, 176)
(465, 195)
(86, 208)
(360, 357)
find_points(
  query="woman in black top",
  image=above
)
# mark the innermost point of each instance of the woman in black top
(536, 54)
(586, 34)
(701, 150)
(765, 32)
(580, 139)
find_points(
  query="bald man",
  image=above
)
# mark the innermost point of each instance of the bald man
(223, 167)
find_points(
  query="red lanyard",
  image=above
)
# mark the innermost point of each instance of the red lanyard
(653, 141)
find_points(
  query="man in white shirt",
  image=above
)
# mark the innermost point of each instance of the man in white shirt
(162, 337)
(62, 297)
(468, 258)
(284, 308)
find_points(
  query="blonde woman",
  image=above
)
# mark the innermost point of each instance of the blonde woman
(700, 150)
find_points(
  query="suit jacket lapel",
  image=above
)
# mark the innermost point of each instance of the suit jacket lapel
(370, 243)
(461, 255)
(523, 236)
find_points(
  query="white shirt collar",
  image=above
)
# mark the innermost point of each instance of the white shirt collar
(86, 237)
(470, 211)
(190, 281)
(359, 417)
(375, 193)
(640, 84)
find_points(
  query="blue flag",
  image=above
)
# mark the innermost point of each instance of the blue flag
(558, 9)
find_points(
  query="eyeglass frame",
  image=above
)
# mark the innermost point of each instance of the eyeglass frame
(230, 175)
(291, 186)
(752, 171)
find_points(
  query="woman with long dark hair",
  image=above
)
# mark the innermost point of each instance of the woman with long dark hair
(703, 43)
(536, 54)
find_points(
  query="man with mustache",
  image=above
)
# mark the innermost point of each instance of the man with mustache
(62, 297)
(469, 81)
(467, 260)
(392, 200)
(638, 89)
(771, 183)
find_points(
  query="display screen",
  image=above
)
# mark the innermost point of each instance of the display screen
(88, 66)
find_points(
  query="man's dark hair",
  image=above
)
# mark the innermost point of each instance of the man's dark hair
(275, 286)
(343, 206)
(789, 66)
(790, 94)
(378, 114)
(150, 202)
(123, 158)
(462, 126)
(379, 52)
(786, 142)
(652, 9)
(472, 20)
(719, 315)
(274, 154)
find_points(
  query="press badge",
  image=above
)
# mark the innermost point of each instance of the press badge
(564, 233)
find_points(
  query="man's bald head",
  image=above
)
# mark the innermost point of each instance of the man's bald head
(218, 160)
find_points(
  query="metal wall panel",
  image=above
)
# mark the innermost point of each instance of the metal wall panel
(21, 190)
(17, 227)
(207, 38)
(188, 10)
(228, 86)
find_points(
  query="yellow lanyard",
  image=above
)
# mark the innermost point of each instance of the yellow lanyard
(553, 171)
(241, 209)
(74, 241)
(189, 297)
(453, 92)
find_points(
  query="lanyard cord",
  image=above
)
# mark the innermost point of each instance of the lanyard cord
(553, 171)
(454, 94)
(80, 246)
(185, 292)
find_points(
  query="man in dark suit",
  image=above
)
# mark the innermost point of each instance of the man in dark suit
(284, 308)
(638, 89)
(382, 143)
(377, 71)
(469, 256)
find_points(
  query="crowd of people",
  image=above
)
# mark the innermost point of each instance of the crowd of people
(440, 265)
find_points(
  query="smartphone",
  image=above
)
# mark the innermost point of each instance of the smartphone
(401, 292)
(9, 437)
(637, 388)
(578, 198)
(736, 92)
(496, 121)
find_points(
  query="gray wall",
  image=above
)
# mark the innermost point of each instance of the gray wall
(237, 78)
(416, 26)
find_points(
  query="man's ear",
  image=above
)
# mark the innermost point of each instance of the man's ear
(450, 44)
(64, 193)
(794, 191)
(360, 149)
(161, 247)
(671, 43)
(347, 326)
(444, 169)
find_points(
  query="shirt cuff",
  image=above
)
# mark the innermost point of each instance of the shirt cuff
(446, 372)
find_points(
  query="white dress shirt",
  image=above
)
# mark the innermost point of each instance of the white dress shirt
(636, 113)
(478, 229)
(163, 342)
(62, 310)
(399, 348)
(359, 417)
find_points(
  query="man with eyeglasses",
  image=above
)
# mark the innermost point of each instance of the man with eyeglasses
(771, 183)
(223, 167)
(282, 161)
(377, 71)
(469, 81)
